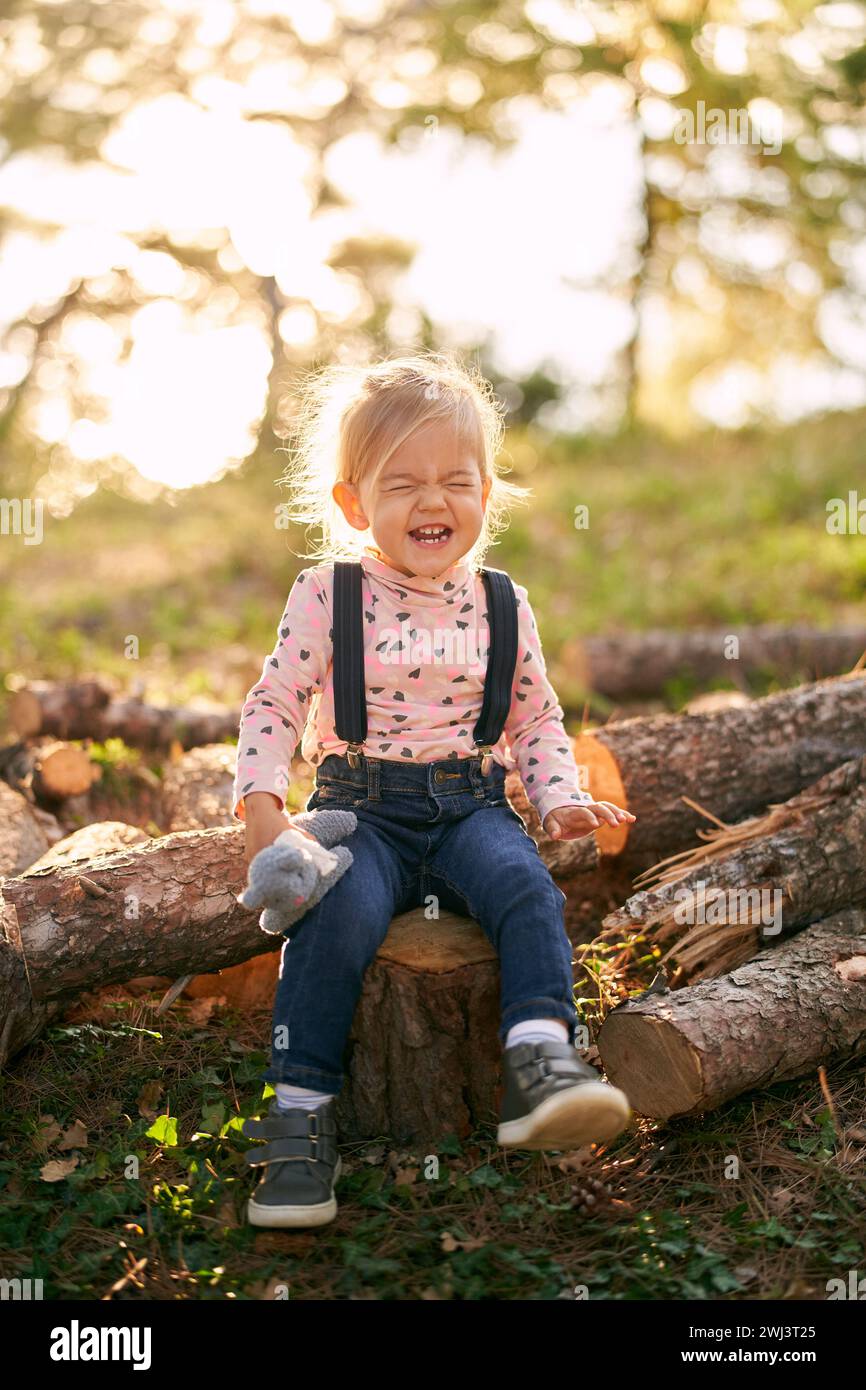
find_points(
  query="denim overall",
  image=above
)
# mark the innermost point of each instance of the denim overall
(441, 828)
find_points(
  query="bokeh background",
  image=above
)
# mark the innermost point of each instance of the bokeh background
(200, 200)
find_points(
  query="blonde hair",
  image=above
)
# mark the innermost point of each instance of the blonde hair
(350, 420)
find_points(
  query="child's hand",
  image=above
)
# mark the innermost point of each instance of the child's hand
(573, 822)
(265, 820)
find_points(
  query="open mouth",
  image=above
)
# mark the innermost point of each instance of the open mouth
(431, 536)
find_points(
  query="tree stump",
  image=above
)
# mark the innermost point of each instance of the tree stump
(423, 1057)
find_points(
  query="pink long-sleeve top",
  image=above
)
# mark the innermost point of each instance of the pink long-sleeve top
(425, 656)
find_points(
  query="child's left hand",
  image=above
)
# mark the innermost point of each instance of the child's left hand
(573, 822)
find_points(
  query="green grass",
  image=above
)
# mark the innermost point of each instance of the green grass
(720, 529)
(651, 1216)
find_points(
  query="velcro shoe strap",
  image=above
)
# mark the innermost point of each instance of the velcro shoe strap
(563, 1066)
(292, 1123)
(325, 1151)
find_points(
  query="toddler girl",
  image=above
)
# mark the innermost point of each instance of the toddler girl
(396, 464)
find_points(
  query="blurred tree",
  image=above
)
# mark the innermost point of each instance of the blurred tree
(743, 252)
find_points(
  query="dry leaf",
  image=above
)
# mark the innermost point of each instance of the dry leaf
(450, 1244)
(74, 1138)
(404, 1177)
(780, 1200)
(47, 1134)
(200, 1010)
(59, 1168)
(148, 1099)
(575, 1162)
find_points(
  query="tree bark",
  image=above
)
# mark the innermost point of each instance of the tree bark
(635, 665)
(197, 788)
(423, 1058)
(22, 838)
(793, 1008)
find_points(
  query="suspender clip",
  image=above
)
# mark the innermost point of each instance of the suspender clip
(353, 753)
(484, 751)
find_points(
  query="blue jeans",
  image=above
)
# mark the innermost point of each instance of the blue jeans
(438, 828)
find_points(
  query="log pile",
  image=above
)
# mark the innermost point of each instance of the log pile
(782, 780)
(92, 709)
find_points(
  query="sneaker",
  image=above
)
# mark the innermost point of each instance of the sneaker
(300, 1165)
(553, 1100)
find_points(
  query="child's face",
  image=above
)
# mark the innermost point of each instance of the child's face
(430, 487)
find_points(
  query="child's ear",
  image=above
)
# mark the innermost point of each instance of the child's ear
(485, 491)
(347, 499)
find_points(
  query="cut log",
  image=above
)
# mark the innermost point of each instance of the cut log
(793, 1008)
(767, 877)
(89, 709)
(197, 788)
(68, 710)
(22, 837)
(733, 763)
(164, 907)
(61, 770)
(640, 664)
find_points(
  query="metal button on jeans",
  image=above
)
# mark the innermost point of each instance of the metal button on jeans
(439, 776)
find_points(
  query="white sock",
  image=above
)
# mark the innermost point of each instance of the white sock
(537, 1030)
(298, 1097)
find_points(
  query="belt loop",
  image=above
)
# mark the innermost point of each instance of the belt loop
(474, 771)
(373, 793)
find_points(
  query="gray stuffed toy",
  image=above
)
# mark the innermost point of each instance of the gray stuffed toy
(291, 875)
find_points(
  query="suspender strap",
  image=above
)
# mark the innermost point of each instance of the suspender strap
(502, 660)
(350, 693)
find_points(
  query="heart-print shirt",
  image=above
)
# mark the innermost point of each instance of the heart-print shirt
(425, 657)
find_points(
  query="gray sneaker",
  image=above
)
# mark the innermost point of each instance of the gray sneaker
(554, 1100)
(300, 1165)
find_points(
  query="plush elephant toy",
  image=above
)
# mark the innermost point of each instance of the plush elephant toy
(290, 876)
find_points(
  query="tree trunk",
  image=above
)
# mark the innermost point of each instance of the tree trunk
(716, 907)
(733, 763)
(791, 1009)
(197, 788)
(165, 907)
(423, 1058)
(637, 665)
(22, 838)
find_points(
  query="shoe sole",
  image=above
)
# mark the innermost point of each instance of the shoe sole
(291, 1217)
(589, 1113)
